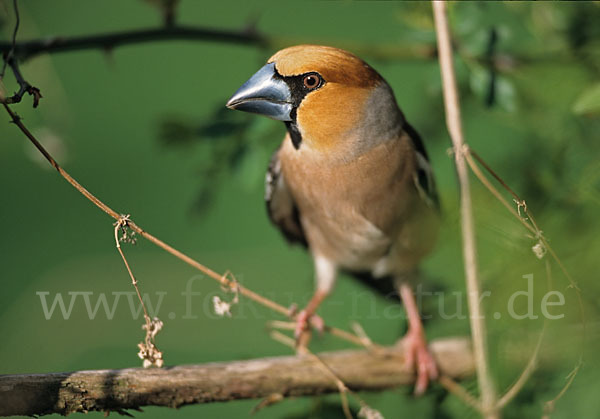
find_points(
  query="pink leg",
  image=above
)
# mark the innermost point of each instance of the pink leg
(307, 317)
(415, 343)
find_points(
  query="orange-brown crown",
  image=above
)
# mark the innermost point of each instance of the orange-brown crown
(334, 64)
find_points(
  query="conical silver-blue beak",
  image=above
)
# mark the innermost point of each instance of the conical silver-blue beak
(264, 94)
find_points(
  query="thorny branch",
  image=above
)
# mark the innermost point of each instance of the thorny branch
(109, 41)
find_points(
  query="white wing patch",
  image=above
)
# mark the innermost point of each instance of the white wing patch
(424, 181)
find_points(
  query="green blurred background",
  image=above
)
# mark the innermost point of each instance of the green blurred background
(144, 128)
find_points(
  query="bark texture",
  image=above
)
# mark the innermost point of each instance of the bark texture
(132, 388)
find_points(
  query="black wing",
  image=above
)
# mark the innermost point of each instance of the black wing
(281, 207)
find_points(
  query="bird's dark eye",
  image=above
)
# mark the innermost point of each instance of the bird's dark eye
(311, 81)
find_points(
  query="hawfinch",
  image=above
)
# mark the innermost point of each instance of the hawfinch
(351, 180)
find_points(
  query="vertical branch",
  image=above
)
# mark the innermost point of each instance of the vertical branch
(478, 328)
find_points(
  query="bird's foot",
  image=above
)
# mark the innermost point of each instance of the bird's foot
(304, 320)
(419, 359)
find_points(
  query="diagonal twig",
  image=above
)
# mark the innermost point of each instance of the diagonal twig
(459, 391)
(531, 226)
(222, 279)
(343, 389)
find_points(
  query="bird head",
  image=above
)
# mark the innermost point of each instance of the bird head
(327, 97)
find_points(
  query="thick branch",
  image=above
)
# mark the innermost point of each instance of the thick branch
(27, 49)
(106, 390)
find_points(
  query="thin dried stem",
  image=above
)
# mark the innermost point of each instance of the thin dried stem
(532, 226)
(453, 121)
(17, 121)
(122, 223)
(550, 405)
(342, 334)
(149, 353)
(495, 191)
(339, 383)
(459, 391)
(222, 279)
(494, 174)
(360, 332)
(339, 333)
(283, 339)
(270, 400)
(528, 221)
(281, 325)
(512, 392)
(343, 388)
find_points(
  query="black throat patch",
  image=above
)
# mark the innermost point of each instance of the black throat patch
(294, 132)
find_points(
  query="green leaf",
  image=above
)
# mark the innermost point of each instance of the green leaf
(589, 101)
